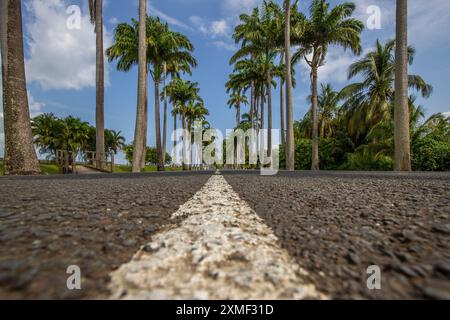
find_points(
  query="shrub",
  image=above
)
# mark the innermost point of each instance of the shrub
(430, 155)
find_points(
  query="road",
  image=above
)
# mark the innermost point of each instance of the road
(230, 235)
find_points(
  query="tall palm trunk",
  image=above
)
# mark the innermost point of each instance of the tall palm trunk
(252, 106)
(164, 143)
(282, 121)
(262, 142)
(238, 118)
(100, 85)
(20, 155)
(256, 119)
(190, 143)
(238, 114)
(401, 113)
(142, 75)
(290, 143)
(175, 154)
(183, 124)
(158, 128)
(269, 116)
(145, 127)
(315, 131)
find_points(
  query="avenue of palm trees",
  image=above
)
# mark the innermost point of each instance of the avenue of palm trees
(365, 126)
(372, 124)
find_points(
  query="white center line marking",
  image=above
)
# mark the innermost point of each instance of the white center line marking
(222, 250)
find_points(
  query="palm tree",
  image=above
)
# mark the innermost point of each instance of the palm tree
(237, 99)
(130, 48)
(369, 101)
(173, 67)
(20, 156)
(326, 27)
(141, 114)
(290, 143)
(401, 115)
(180, 94)
(261, 36)
(167, 48)
(328, 110)
(195, 110)
(114, 141)
(45, 132)
(168, 52)
(96, 15)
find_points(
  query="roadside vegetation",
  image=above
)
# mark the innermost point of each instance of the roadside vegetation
(46, 168)
(373, 123)
(351, 128)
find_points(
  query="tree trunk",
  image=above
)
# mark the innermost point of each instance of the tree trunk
(290, 143)
(401, 112)
(145, 127)
(175, 154)
(164, 147)
(142, 75)
(282, 121)
(269, 116)
(238, 121)
(190, 144)
(158, 128)
(252, 106)
(262, 142)
(238, 114)
(183, 124)
(256, 120)
(315, 138)
(100, 86)
(20, 155)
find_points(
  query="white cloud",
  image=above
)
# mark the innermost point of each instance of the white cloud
(213, 29)
(239, 6)
(446, 114)
(35, 106)
(59, 58)
(169, 19)
(113, 21)
(220, 28)
(224, 45)
(218, 31)
(428, 22)
(335, 68)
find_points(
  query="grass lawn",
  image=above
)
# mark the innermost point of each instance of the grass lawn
(119, 168)
(45, 168)
(53, 168)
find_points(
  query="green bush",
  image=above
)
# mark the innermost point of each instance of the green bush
(367, 160)
(331, 154)
(430, 155)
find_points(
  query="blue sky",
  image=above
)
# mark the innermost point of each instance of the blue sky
(60, 63)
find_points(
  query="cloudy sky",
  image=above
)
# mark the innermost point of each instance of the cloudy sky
(60, 62)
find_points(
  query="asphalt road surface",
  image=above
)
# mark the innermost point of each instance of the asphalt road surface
(336, 225)
(324, 229)
(96, 222)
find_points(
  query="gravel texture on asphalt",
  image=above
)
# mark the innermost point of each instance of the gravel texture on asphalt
(96, 222)
(222, 250)
(336, 225)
